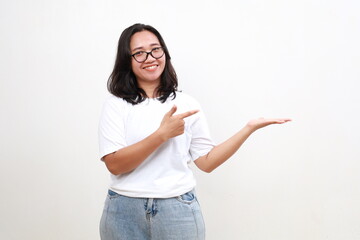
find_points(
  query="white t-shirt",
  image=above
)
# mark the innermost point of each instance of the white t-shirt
(166, 172)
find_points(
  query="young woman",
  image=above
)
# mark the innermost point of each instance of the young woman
(148, 134)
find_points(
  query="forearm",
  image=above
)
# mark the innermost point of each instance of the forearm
(222, 152)
(130, 157)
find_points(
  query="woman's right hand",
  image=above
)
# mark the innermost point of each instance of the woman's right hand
(128, 158)
(173, 125)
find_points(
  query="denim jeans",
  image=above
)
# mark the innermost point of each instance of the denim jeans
(177, 218)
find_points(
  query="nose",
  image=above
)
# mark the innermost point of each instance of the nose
(150, 58)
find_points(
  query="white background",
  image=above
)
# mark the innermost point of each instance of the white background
(240, 59)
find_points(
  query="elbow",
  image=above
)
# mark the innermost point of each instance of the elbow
(112, 168)
(112, 165)
(203, 165)
(207, 169)
(113, 171)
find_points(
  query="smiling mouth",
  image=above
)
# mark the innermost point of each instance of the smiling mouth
(150, 67)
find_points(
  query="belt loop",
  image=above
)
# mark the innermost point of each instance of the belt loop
(149, 205)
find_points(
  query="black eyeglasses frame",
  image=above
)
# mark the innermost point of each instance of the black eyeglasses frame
(147, 54)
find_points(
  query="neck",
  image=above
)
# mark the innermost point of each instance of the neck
(150, 89)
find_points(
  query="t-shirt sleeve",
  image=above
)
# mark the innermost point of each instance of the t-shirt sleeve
(111, 127)
(201, 142)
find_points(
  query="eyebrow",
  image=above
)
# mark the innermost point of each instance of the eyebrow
(152, 45)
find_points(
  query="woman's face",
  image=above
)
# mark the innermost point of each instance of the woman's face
(149, 71)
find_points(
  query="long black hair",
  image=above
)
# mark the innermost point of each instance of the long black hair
(122, 81)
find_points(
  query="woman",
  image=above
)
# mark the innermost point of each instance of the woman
(148, 134)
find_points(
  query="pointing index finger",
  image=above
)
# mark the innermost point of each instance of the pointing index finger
(187, 114)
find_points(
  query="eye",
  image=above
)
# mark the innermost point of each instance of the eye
(138, 53)
(157, 49)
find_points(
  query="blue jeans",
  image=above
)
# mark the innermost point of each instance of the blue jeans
(126, 218)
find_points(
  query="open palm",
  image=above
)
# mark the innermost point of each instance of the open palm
(263, 122)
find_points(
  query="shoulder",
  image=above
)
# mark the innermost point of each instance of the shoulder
(113, 100)
(115, 104)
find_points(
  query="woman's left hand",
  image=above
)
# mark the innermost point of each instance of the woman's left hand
(256, 124)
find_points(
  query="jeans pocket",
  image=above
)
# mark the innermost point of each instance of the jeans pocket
(187, 198)
(112, 194)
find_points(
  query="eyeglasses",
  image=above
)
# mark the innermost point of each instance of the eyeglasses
(141, 56)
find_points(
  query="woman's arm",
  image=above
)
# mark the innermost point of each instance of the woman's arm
(130, 157)
(222, 152)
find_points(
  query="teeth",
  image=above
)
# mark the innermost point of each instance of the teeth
(151, 67)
